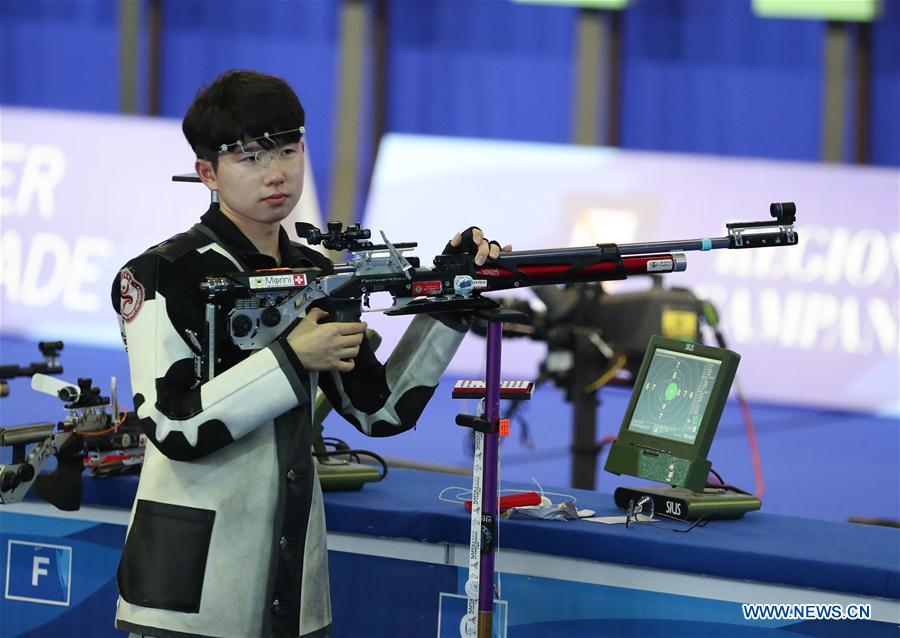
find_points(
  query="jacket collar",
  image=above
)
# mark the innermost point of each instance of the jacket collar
(237, 243)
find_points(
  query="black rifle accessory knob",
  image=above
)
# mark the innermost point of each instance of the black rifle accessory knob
(50, 348)
(784, 212)
(271, 317)
(68, 394)
(777, 209)
(241, 325)
(310, 233)
(26, 472)
(9, 482)
(84, 384)
(12, 479)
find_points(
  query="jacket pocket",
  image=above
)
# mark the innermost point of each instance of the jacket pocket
(164, 560)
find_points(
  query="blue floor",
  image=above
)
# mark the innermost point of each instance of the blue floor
(817, 463)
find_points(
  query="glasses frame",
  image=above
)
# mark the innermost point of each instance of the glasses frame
(262, 157)
(635, 510)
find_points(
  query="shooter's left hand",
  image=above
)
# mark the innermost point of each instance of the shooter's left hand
(473, 242)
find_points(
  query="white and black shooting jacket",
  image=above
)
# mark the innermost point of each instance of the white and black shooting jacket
(227, 533)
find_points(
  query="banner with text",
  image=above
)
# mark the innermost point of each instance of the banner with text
(80, 195)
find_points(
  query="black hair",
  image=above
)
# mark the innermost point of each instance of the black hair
(241, 105)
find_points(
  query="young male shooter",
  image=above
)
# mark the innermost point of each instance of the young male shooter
(227, 533)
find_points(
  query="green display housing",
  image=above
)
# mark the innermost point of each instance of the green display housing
(665, 460)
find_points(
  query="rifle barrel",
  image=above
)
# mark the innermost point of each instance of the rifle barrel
(676, 245)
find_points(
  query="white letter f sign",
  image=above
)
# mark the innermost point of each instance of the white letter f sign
(38, 569)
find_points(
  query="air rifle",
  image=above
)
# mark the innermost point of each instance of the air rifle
(93, 436)
(258, 306)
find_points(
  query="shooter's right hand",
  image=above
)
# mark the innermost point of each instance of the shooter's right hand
(326, 346)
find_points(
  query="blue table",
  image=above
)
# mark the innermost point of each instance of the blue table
(398, 564)
(577, 578)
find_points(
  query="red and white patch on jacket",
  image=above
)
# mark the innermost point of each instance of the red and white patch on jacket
(131, 296)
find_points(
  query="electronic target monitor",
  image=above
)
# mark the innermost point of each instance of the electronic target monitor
(679, 394)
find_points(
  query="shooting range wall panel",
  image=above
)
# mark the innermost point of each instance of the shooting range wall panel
(697, 75)
(707, 77)
(496, 70)
(60, 55)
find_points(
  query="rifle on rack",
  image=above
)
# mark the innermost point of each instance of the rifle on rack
(94, 436)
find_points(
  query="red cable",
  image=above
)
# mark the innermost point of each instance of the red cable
(755, 458)
(754, 446)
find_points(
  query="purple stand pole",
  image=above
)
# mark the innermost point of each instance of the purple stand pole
(489, 484)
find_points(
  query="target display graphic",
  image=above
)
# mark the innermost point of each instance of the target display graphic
(674, 396)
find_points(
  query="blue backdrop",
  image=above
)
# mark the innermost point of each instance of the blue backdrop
(699, 76)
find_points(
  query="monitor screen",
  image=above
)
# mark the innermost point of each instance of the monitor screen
(674, 395)
(678, 398)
